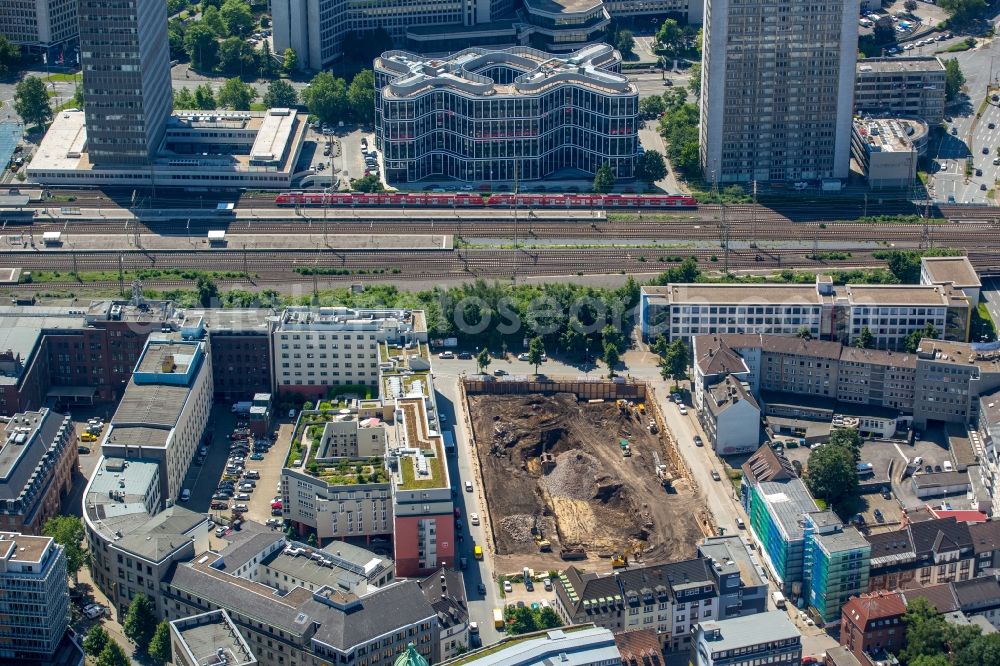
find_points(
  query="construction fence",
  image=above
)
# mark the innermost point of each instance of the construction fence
(584, 389)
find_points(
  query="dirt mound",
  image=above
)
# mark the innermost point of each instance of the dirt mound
(593, 497)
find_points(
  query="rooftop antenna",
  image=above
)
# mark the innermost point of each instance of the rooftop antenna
(137, 298)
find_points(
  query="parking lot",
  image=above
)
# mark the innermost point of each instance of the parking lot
(519, 593)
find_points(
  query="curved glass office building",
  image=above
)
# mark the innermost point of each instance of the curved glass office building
(500, 115)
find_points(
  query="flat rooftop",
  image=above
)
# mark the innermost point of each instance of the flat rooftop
(737, 294)
(203, 637)
(743, 632)
(889, 135)
(23, 547)
(150, 404)
(561, 6)
(20, 335)
(23, 451)
(789, 501)
(166, 358)
(63, 148)
(539, 71)
(951, 270)
(902, 64)
(121, 495)
(218, 320)
(892, 295)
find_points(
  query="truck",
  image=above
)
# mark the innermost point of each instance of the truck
(477, 552)
(242, 407)
(573, 554)
(779, 599)
(498, 618)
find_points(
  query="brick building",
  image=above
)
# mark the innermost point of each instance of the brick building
(872, 623)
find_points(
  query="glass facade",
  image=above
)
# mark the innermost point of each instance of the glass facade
(571, 122)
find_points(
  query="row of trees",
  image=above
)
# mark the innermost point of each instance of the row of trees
(151, 639)
(235, 94)
(933, 641)
(331, 99)
(649, 168)
(217, 42)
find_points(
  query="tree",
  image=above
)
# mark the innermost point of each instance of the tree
(522, 621)
(311, 540)
(954, 79)
(208, 291)
(912, 341)
(548, 619)
(604, 179)
(651, 167)
(289, 61)
(963, 10)
(651, 107)
(78, 96)
(113, 655)
(10, 53)
(67, 531)
(981, 651)
(625, 42)
(212, 20)
(175, 36)
(849, 439)
(611, 357)
(280, 94)
(184, 99)
(140, 621)
(674, 362)
(326, 97)
(159, 645)
(95, 640)
(831, 474)
(804, 333)
(201, 47)
(204, 98)
(237, 17)
(483, 360)
(694, 83)
(669, 35)
(361, 97)
(679, 127)
(536, 349)
(612, 336)
(926, 631)
(367, 184)
(237, 57)
(234, 94)
(865, 339)
(31, 101)
(910, 5)
(266, 65)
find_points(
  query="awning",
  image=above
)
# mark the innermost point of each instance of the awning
(74, 392)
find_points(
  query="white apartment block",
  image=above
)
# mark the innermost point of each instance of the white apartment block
(348, 437)
(777, 89)
(828, 312)
(165, 410)
(315, 348)
(338, 508)
(34, 597)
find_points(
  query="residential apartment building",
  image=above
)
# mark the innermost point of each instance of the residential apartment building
(125, 58)
(889, 312)
(445, 592)
(930, 552)
(941, 382)
(767, 638)
(583, 645)
(901, 86)
(34, 599)
(810, 553)
(873, 622)
(731, 417)
(42, 26)
(165, 410)
(348, 437)
(666, 598)
(38, 456)
(337, 508)
(776, 90)
(504, 114)
(317, 348)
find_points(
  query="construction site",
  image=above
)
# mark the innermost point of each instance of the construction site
(595, 482)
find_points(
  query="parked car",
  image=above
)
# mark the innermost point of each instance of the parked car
(94, 611)
(468, 486)
(219, 506)
(548, 584)
(243, 497)
(257, 456)
(507, 587)
(83, 449)
(499, 372)
(446, 354)
(240, 508)
(465, 356)
(522, 357)
(474, 518)
(698, 441)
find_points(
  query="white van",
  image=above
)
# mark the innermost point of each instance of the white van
(947, 466)
(185, 495)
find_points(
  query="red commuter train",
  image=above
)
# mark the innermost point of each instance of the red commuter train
(473, 200)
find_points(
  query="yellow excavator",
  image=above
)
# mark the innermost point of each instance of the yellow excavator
(543, 544)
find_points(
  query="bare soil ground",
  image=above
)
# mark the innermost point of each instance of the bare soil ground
(594, 498)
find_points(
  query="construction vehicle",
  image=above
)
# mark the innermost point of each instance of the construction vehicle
(573, 554)
(652, 426)
(622, 406)
(665, 477)
(641, 408)
(543, 544)
(619, 561)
